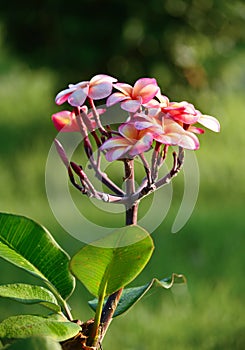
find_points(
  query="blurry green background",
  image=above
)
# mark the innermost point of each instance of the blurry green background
(196, 51)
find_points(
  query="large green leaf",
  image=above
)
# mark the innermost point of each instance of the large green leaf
(29, 294)
(130, 296)
(24, 326)
(113, 262)
(34, 343)
(30, 246)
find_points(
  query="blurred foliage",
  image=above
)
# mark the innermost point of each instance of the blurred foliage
(196, 51)
(182, 42)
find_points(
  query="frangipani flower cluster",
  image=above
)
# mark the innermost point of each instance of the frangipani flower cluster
(153, 123)
(153, 119)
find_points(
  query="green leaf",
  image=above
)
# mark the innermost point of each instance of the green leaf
(31, 247)
(24, 326)
(112, 262)
(130, 296)
(29, 294)
(35, 343)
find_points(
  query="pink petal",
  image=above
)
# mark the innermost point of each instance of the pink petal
(148, 92)
(195, 130)
(143, 82)
(116, 153)
(142, 145)
(78, 97)
(131, 105)
(185, 118)
(170, 126)
(167, 139)
(128, 131)
(153, 112)
(100, 86)
(189, 141)
(65, 121)
(152, 104)
(81, 84)
(114, 142)
(101, 78)
(147, 88)
(143, 121)
(126, 89)
(163, 99)
(209, 122)
(142, 125)
(180, 106)
(174, 134)
(153, 107)
(63, 96)
(115, 98)
(185, 140)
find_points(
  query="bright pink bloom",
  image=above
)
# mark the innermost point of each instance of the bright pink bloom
(131, 143)
(183, 112)
(166, 131)
(186, 114)
(65, 121)
(100, 86)
(133, 97)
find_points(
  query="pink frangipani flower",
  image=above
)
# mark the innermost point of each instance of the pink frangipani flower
(186, 114)
(100, 86)
(166, 131)
(132, 98)
(130, 143)
(65, 121)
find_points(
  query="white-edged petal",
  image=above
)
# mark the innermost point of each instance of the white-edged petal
(126, 89)
(116, 153)
(78, 97)
(117, 141)
(131, 105)
(142, 145)
(115, 98)
(209, 122)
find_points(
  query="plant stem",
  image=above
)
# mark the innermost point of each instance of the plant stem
(108, 311)
(94, 336)
(131, 208)
(131, 219)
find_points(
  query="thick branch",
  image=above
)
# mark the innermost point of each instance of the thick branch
(131, 218)
(131, 206)
(108, 312)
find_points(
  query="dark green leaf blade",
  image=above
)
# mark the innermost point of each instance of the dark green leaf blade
(34, 343)
(30, 294)
(24, 326)
(130, 296)
(113, 262)
(30, 246)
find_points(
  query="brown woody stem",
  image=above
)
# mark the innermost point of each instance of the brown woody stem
(131, 219)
